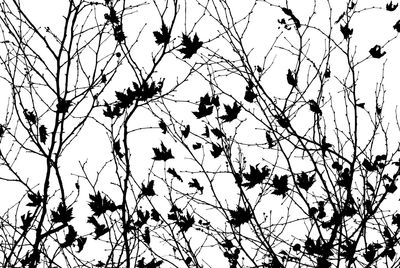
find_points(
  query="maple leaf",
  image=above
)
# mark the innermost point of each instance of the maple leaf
(100, 229)
(99, 205)
(195, 184)
(231, 112)
(391, 7)
(304, 181)
(280, 184)
(174, 174)
(163, 126)
(203, 111)
(215, 101)
(396, 26)
(26, 221)
(42, 134)
(162, 154)
(249, 95)
(369, 254)
(111, 112)
(346, 31)
(255, 176)
(63, 214)
(117, 149)
(186, 131)
(314, 107)
(163, 36)
(155, 215)
(148, 190)
(376, 52)
(36, 199)
(185, 222)
(240, 216)
(196, 146)
(216, 150)
(81, 241)
(218, 133)
(190, 46)
(125, 99)
(291, 79)
(142, 218)
(69, 237)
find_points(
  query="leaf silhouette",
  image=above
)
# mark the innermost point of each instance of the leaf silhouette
(26, 221)
(216, 150)
(255, 176)
(280, 184)
(148, 190)
(186, 131)
(291, 79)
(283, 121)
(146, 236)
(325, 146)
(162, 154)
(81, 241)
(231, 112)
(99, 205)
(314, 107)
(117, 149)
(190, 46)
(346, 31)
(292, 16)
(196, 146)
(30, 116)
(155, 215)
(163, 36)
(249, 95)
(218, 133)
(215, 101)
(376, 52)
(391, 7)
(270, 141)
(185, 222)
(195, 184)
(63, 105)
(203, 111)
(62, 214)
(111, 112)
(163, 126)
(304, 181)
(368, 166)
(174, 174)
(240, 216)
(69, 237)
(36, 199)
(206, 132)
(42, 134)
(142, 218)
(397, 26)
(100, 229)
